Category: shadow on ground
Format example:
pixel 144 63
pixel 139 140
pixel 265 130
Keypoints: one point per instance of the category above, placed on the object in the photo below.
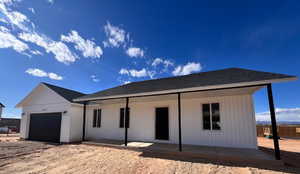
pixel 285 168
pixel 288 157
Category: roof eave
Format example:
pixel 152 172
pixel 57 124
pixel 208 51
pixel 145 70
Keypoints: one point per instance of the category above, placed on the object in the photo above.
pixel 262 82
pixel 19 105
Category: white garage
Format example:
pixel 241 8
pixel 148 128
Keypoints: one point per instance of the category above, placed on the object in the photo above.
pixel 48 114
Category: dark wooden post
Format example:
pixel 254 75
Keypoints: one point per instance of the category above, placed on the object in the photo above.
pixel 126 121
pixel 83 121
pixel 273 121
pixel 179 122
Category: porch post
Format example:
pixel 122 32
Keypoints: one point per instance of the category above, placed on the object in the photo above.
pixel 273 121
pixel 179 122
pixel 83 121
pixel 126 121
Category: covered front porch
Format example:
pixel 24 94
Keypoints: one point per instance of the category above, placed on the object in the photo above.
pixel 227 136
pixel 232 155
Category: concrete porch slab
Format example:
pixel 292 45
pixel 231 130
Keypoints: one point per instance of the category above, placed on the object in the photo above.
pixel 253 157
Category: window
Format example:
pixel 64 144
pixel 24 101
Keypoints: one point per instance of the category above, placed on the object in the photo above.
pixel 97 118
pixel 122 118
pixel 211 116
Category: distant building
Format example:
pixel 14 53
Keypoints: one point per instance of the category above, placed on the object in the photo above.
pixel 1 106
pixel 12 124
pixel 8 124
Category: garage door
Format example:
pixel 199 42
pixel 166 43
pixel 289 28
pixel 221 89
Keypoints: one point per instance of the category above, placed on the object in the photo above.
pixel 45 127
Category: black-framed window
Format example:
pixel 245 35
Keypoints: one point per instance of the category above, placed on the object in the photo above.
pixel 122 118
pixel 211 116
pixel 97 118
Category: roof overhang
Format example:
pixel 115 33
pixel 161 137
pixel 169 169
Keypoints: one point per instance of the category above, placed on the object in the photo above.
pixel 40 85
pixel 184 90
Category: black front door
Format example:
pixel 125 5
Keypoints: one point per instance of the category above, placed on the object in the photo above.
pixel 45 127
pixel 162 123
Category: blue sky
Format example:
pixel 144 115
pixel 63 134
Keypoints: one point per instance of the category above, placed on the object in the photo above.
pixel 101 44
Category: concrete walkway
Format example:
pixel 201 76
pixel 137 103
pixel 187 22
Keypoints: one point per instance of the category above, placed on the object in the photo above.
pixel 251 156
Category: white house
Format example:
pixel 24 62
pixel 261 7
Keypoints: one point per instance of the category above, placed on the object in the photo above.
pixel 1 109
pixel 212 108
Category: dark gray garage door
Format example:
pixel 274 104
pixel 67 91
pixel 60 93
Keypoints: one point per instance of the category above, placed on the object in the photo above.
pixel 45 127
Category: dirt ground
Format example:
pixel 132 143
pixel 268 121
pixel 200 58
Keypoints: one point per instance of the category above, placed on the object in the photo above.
pixel 10 146
pixel 78 158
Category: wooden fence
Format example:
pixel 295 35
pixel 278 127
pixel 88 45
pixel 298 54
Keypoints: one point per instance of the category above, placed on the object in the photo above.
pixel 289 131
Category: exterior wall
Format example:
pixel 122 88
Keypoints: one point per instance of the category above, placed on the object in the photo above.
pixel 237 123
pixel 236 112
pixel 76 114
pixel 44 101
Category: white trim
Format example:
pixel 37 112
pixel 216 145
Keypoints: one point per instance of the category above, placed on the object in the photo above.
pixel 28 96
pixel 192 89
pixel 77 104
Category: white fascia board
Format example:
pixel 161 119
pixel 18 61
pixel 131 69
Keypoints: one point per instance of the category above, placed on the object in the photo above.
pixel 28 96
pixel 77 104
pixel 262 82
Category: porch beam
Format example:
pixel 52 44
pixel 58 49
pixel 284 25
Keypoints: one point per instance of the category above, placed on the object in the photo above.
pixel 83 123
pixel 179 122
pixel 126 121
pixel 273 121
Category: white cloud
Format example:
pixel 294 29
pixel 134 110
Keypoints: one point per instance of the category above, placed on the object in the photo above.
pixel 126 82
pixel 94 78
pixel 21 24
pixel 36 52
pixel 124 71
pixel 163 61
pixel 3 20
pixel 157 61
pixel 87 47
pixel 50 1
pixel 187 69
pixel 59 49
pixel 15 18
pixel 115 36
pixel 138 73
pixel 32 10
pixel 282 114
pixel 7 40
pixel 54 76
pixel 135 73
pixel 135 52
pixel 36 72
pixel 41 73
pixel 151 74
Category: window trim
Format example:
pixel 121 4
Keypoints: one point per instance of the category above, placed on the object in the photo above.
pixel 99 117
pixel 96 118
pixel 120 121
pixel 210 117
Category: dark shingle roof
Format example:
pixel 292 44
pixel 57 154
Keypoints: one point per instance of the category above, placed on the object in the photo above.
pixel 219 77
pixel 2 105
pixel 68 94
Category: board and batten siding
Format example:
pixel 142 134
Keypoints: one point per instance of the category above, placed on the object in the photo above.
pixel 236 112
pixel 75 113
